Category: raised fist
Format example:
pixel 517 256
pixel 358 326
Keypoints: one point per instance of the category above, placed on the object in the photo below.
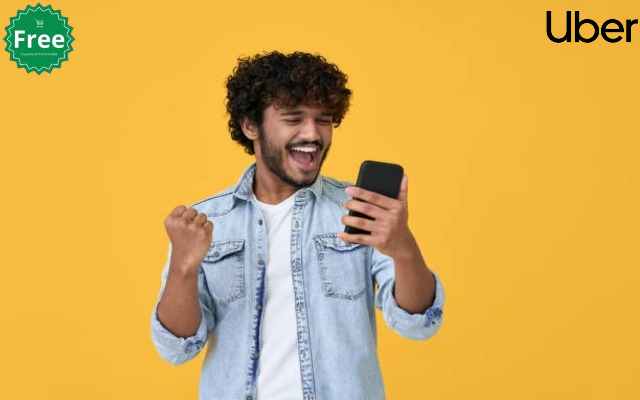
pixel 190 233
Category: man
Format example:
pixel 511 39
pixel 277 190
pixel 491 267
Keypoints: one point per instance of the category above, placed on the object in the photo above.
pixel 263 270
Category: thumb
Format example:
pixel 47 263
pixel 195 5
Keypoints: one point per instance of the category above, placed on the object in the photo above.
pixel 404 188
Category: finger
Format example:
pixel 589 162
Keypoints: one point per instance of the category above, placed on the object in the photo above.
pixel 365 208
pixel 355 238
pixel 358 222
pixel 371 197
pixel 200 219
pixel 208 226
pixel 404 189
pixel 190 214
pixel 178 211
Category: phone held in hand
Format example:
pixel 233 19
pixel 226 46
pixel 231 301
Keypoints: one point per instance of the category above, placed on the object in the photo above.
pixel 380 177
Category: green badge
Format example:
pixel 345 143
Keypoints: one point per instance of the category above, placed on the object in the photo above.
pixel 39 39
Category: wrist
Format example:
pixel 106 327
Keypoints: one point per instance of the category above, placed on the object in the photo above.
pixel 408 255
pixel 184 269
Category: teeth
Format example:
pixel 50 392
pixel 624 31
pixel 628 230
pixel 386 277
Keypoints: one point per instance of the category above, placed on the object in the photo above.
pixel 304 149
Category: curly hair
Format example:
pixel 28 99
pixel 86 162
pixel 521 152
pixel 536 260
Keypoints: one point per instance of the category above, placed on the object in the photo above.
pixel 284 80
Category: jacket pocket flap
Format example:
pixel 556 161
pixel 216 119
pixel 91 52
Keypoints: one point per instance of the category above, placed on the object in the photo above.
pixel 331 241
pixel 222 248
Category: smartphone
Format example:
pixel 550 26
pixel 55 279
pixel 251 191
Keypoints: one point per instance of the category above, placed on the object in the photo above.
pixel 380 177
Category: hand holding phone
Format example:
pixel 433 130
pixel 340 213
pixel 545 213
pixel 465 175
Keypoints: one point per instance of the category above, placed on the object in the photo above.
pixel 380 177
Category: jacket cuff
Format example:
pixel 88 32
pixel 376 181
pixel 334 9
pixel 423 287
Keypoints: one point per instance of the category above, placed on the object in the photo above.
pixel 175 349
pixel 417 326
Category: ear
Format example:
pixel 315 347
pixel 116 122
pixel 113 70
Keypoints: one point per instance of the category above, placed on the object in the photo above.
pixel 249 129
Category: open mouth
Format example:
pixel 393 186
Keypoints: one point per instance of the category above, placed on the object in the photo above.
pixel 305 155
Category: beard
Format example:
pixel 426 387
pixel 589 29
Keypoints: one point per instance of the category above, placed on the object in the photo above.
pixel 273 157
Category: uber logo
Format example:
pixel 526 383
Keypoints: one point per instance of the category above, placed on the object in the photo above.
pixel 609 26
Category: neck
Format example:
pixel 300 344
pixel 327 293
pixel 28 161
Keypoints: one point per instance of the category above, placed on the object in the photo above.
pixel 268 188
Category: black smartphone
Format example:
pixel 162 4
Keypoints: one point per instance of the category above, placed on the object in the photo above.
pixel 380 177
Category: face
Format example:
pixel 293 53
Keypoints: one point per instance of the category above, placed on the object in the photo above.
pixel 293 143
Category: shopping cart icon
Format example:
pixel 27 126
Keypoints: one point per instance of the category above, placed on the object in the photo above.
pixel 40 23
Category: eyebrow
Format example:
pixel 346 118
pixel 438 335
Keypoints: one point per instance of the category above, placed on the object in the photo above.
pixel 298 112
pixel 291 112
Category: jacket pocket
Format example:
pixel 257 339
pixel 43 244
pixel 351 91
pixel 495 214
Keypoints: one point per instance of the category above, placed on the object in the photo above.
pixel 223 268
pixel 343 267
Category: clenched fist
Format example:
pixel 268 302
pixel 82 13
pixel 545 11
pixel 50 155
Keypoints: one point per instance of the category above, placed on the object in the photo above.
pixel 190 233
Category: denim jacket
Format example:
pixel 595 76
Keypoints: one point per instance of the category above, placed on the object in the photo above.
pixel 336 285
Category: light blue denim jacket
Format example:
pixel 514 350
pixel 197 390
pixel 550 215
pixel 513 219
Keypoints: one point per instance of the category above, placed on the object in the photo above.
pixel 335 292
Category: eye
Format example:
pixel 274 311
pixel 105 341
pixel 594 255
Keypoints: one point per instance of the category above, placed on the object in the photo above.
pixel 292 121
pixel 324 121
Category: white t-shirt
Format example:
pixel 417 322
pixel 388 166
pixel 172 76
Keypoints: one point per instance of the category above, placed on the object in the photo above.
pixel 279 376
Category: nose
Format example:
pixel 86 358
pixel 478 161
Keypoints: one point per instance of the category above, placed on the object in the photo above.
pixel 310 130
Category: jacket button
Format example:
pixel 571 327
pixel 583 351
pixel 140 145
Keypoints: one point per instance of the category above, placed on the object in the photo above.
pixel 216 254
pixel 258 307
pixel 260 262
pixel 259 222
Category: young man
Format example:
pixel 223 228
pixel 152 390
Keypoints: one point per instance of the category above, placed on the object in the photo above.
pixel 263 270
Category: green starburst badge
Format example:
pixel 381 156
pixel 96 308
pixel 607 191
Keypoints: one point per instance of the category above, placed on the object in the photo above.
pixel 39 39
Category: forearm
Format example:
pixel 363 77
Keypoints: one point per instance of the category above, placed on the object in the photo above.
pixel 179 308
pixel 414 283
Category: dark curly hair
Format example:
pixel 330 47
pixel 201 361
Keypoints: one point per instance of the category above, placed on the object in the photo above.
pixel 285 80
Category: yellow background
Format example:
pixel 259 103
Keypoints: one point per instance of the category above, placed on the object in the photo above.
pixel 522 156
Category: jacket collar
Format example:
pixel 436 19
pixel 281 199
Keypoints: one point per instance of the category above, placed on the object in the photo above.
pixel 244 187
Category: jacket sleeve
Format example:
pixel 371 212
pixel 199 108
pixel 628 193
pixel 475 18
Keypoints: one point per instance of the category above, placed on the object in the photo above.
pixel 178 350
pixel 412 326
